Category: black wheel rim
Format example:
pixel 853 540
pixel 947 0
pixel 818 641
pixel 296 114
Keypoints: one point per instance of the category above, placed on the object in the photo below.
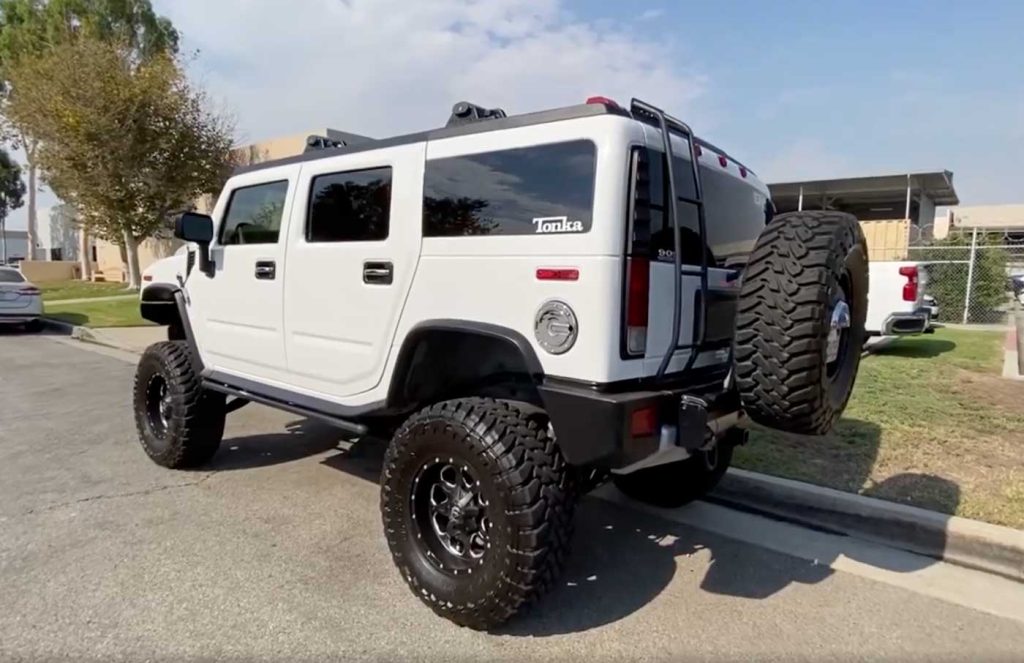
pixel 158 405
pixel 450 514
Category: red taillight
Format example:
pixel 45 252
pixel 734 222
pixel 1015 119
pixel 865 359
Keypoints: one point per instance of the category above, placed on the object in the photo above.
pixel 550 274
pixel 637 299
pixel 644 422
pixel 605 101
pixel 29 290
pixel 910 288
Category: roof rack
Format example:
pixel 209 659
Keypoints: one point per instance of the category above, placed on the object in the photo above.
pixel 465 112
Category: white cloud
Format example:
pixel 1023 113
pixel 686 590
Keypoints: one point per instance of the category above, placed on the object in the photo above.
pixel 382 67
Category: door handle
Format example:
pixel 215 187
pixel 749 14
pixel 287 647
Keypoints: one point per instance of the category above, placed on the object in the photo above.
pixel 378 273
pixel 266 270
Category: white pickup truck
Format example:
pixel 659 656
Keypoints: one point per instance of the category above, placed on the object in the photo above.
pixel 897 303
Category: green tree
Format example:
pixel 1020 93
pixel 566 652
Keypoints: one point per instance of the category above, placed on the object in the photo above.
pixel 948 270
pixel 125 141
pixel 29 27
pixel 12 190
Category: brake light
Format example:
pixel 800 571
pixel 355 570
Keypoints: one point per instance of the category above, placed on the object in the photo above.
pixel 605 101
pixel 638 281
pixel 643 422
pixel 29 291
pixel 549 274
pixel 910 288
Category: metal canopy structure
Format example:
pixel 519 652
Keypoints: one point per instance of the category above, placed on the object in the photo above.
pixel 871 197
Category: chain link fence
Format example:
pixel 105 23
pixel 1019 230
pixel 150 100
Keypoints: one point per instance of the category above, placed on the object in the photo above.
pixel 970 272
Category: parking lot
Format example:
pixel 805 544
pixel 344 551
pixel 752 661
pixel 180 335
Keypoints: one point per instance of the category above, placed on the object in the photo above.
pixel 275 551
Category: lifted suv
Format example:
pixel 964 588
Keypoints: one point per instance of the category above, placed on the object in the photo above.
pixel 525 305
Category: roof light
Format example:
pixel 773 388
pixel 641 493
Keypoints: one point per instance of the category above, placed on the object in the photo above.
pixel 723 161
pixel 605 101
pixel 743 172
pixel 698 150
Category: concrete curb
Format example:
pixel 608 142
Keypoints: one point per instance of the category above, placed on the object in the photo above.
pixel 978 545
pixel 78 332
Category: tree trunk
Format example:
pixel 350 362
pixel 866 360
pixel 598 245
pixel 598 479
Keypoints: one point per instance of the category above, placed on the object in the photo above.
pixel 84 253
pixel 131 245
pixel 33 227
pixel 3 241
pixel 123 254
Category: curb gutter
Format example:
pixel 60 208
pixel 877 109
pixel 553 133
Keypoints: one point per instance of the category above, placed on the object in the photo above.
pixel 990 548
pixel 77 332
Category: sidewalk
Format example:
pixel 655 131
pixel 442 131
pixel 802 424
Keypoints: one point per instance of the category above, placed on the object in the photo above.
pixel 86 300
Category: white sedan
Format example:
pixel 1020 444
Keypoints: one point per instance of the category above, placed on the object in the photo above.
pixel 21 303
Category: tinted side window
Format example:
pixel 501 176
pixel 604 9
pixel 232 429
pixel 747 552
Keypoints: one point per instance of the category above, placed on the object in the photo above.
pixel 254 214
pixel 544 189
pixel 350 207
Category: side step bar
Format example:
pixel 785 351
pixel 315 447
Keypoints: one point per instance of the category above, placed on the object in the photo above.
pixel 344 424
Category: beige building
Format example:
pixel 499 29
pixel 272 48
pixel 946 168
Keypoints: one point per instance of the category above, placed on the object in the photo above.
pixel 109 265
pixel 984 217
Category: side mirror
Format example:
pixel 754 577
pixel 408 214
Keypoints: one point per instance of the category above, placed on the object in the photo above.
pixel 193 227
pixel 198 228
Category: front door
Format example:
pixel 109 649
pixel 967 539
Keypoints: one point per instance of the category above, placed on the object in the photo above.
pixel 352 252
pixel 239 309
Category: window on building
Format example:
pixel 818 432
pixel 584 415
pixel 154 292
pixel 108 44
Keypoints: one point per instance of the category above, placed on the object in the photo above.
pixel 254 214
pixel 56 254
pixel 353 206
pixel 94 258
pixel 543 189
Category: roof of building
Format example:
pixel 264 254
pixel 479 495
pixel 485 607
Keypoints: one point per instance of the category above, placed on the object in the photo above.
pixel 937 185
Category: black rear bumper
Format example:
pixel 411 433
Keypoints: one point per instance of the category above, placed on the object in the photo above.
pixel 595 425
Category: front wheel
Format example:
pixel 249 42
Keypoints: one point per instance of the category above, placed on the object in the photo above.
pixel 477 504
pixel 675 484
pixel 180 424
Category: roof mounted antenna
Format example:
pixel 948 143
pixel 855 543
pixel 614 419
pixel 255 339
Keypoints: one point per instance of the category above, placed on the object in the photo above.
pixel 465 113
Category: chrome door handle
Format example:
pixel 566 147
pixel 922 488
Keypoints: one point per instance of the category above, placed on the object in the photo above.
pixel 378 273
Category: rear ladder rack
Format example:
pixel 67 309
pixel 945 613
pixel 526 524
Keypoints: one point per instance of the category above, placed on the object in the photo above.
pixel 665 124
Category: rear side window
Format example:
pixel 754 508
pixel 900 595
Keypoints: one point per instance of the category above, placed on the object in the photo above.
pixel 652 234
pixel 11 276
pixel 254 214
pixel 543 189
pixel 353 206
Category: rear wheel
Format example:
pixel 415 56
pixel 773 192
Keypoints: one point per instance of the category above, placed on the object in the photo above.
pixel 800 321
pixel 180 424
pixel 676 484
pixel 477 504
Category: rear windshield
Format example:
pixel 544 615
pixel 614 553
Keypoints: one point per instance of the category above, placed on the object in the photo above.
pixel 543 189
pixel 11 276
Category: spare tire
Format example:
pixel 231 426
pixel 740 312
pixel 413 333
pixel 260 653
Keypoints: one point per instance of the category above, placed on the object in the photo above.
pixel 800 321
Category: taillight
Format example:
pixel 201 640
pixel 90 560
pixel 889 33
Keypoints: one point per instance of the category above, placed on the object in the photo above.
pixel 910 288
pixel 29 291
pixel 553 274
pixel 644 422
pixel 638 281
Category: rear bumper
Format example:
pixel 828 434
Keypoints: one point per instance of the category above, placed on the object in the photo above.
pixel 630 430
pixel 18 318
pixel 900 324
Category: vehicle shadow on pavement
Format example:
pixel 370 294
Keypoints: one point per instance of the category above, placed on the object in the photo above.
pixel 302 438
pixel 625 558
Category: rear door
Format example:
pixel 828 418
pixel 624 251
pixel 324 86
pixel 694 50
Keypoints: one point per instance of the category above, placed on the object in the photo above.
pixel 352 254
pixel 735 205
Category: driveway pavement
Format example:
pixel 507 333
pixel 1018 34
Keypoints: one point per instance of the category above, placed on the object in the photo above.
pixel 275 552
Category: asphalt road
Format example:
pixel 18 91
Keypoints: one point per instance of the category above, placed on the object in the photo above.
pixel 275 552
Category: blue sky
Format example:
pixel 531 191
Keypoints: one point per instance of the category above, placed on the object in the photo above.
pixel 796 89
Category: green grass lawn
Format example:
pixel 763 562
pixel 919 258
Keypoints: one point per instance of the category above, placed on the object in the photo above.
pixel 930 424
pixel 58 290
pixel 116 313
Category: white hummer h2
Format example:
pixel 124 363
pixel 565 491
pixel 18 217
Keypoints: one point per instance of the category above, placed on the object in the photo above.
pixel 524 304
